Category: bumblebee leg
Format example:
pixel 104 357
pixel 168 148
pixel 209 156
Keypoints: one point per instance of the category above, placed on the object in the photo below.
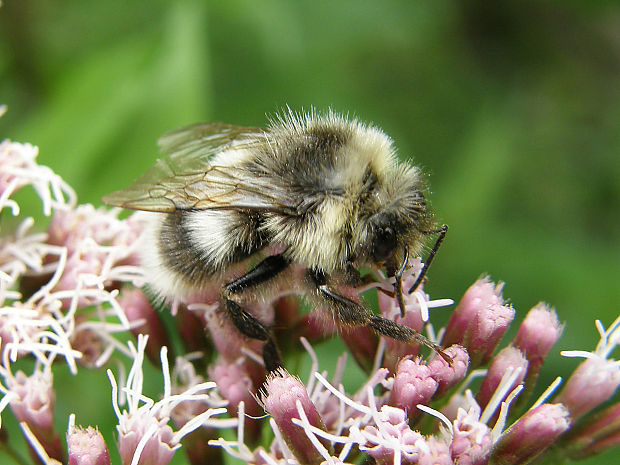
pixel 350 313
pixel 264 271
pixel 254 329
pixel 243 321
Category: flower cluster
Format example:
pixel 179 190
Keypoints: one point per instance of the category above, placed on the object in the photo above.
pixel 73 296
pixel 427 411
pixel 72 293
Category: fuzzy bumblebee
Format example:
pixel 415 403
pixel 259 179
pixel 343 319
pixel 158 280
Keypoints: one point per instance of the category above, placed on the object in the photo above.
pixel 316 194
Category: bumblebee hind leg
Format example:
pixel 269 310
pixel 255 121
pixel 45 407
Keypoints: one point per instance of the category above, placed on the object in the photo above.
pixel 247 324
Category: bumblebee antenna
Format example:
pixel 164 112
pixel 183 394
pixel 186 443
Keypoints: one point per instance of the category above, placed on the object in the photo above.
pixel 442 234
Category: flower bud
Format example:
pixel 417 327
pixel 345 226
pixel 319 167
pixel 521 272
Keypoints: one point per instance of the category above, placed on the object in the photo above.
pixel 281 394
pixel 413 385
pixel 87 447
pixel 392 430
pixel 449 374
pixel 158 449
pixel 534 432
pixel 537 334
pixel 315 327
pixel 472 439
pixel 397 350
pixel 362 343
pixel 595 434
pixel 507 358
pixel 34 405
pixel 192 331
pixel 479 321
pixel 592 383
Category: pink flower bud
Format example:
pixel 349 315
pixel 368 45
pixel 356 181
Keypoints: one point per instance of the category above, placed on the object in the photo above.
pixel 479 321
pixel 472 440
pixel 537 334
pixel 531 435
pixel 592 383
pixel 413 385
pixel 600 446
pixel 392 429
pixel 34 405
pixel 158 449
pixel 390 309
pixel 449 375
pixel 137 306
pixel 89 344
pixel 281 394
pixel 132 229
pixel 235 386
pixel 35 399
pixel 507 358
pixel 437 453
pixel 87 447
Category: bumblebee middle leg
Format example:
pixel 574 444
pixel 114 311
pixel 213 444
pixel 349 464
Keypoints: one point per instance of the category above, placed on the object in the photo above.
pixel 350 313
pixel 247 324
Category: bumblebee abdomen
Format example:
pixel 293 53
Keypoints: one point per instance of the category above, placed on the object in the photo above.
pixel 189 251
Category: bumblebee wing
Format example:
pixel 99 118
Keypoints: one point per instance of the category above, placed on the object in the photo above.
pixel 186 179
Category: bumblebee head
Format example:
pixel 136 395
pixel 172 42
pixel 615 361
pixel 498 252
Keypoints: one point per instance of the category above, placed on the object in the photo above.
pixel 393 220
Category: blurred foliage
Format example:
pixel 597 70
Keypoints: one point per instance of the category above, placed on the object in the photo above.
pixel 513 107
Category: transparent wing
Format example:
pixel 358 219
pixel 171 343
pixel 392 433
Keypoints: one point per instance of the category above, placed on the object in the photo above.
pixel 186 179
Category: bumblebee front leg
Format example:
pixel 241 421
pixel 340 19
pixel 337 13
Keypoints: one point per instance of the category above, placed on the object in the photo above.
pixel 247 324
pixel 350 313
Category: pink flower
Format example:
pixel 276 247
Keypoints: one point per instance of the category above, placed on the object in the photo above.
pixel 509 358
pixel 18 168
pixel 87 447
pixel 33 402
pixel 537 334
pixel 534 432
pixel 235 385
pixel 285 398
pixel 449 374
pixel 391 434
pixel 479 321
pixel 597 378
pixel 144 435
pixel 472 439
pixel 413 385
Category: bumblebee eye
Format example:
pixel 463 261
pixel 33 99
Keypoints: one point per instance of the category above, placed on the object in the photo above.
pixel 384 244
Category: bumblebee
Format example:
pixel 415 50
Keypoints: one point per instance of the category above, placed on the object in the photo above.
pixel 313 196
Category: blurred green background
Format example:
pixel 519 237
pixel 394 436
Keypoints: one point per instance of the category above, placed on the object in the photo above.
pixel 512 107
